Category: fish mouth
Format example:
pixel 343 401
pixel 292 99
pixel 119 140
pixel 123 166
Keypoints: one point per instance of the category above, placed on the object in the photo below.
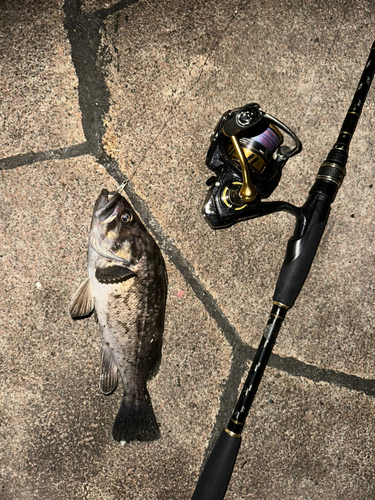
pixel 106 209
pixel 106 206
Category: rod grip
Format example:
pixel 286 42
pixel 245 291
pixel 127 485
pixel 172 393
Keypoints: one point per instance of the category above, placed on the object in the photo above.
pixel 214 479
pixel 299 255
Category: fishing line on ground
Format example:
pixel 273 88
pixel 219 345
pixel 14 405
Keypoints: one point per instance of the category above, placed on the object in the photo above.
pixel 241 6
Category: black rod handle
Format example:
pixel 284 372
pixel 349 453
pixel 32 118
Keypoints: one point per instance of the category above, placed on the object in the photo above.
pixel 215 477
pixel 301 250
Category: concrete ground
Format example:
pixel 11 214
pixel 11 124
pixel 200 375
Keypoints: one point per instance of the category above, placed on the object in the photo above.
pixel 93 93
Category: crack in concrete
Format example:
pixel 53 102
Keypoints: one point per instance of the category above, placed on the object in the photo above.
pixel 298 368
pixel 25 159
pixel 85 35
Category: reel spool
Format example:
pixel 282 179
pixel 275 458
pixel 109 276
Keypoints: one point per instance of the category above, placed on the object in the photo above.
pixel 259 149
pixel 247 155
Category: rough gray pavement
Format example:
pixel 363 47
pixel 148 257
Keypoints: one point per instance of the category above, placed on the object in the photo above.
pixel 94 93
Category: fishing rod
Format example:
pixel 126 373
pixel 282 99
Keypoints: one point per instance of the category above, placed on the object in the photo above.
pixel 247 155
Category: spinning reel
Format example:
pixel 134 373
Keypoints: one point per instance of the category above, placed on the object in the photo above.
pixel 247 155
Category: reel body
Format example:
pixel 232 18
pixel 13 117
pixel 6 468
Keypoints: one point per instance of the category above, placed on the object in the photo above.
pixel 247 155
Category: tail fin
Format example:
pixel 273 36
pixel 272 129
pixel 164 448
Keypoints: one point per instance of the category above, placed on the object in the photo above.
pixel 135 421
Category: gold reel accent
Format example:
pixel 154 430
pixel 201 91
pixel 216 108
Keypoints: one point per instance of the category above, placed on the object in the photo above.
pixel 248 191
pixel 227 200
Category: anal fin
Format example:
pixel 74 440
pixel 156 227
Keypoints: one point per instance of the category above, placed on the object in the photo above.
pixel 82 303
pixel 108 372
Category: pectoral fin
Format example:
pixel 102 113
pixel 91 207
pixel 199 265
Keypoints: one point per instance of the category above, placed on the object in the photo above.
pixel 108 373
pixel 82 304
pixel 113 274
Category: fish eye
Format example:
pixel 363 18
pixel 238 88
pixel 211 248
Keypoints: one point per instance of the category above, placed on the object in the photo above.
pixel 126 217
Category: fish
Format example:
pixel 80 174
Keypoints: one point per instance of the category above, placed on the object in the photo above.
pixel 126 288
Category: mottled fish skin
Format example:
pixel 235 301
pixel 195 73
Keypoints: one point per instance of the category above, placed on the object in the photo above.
pixel 128 286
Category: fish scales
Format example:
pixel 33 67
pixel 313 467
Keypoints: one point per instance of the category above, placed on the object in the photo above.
pixel 128 318
pixel 127 287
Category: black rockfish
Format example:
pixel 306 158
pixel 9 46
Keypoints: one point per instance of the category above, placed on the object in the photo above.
pixel 127 288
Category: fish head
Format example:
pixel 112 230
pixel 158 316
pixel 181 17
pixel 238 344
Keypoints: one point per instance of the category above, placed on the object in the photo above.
pixel 116 232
